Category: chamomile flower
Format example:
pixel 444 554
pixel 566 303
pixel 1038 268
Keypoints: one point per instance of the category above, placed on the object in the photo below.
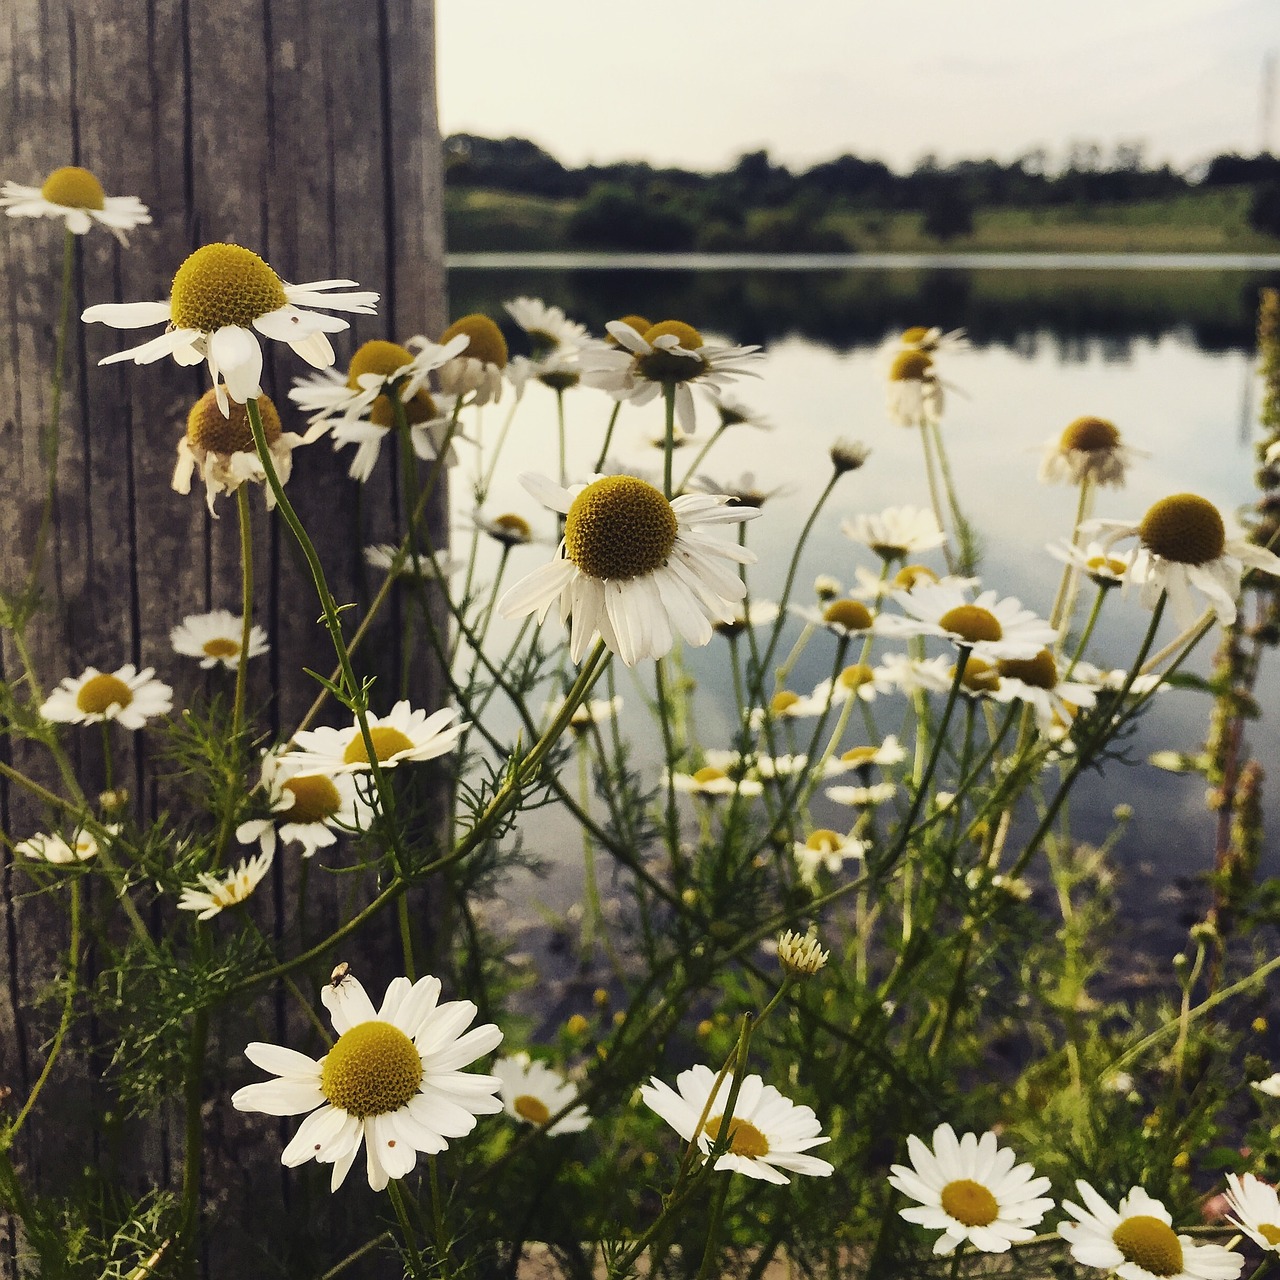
pixel 825 850
pixel 786 704
pixel 476 371
pixel 508 529
pixel 310 809
pixel 560 369
pixel 392 1082
pixel 932 338
pixel 1104 568
pixel 888 753
pixel 127 695
pixel 844 617
pixel 76 196
pixel 914 393
pixel 746 491
pixel 1184 544
pixel 220 296
pixel 215 893
pixel 989 627
pixel 712 783
pixel 1137 1241
pixel 732 412
pixel 856 681
pixel 1035 681
pixel 1257 1210
pixel 863 797
pixel 670 354
pixel 215 638
pixel 915 675
pixel 633 567
pixel 748 613
pixel 532 1093
pixel 54 849
pixel 897 532
pixel 970 1189
pixel 767 1133
pixel 431 429
pixel 1088 449
pixel 402 736
pixel 548 328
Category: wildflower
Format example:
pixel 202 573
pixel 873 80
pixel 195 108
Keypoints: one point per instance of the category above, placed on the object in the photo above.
pixel 826 588
pixel 508 529
pixel 560 369
pixel 800 954
pixel 220 295
pixel 593 711
pixel 767 1133
pixel 990 628
pixel 1035 681
pixel 1089 449
pixel 863 797
pixel 633 567
pixel 213 894
pixel 856 681
pixel 76 196
pixel 431 426
pixel 54 849
pixel 844 617
pixel 1257 1210
pixel 848 455
pixel 130 696
pixel 306 808
pixel 744 492
pixel 393 1080
pixel 970 1189
pixel 786 704
pixel 477 370
pixel 748 613
pixel 914 390
pixel 889 752
pixel 400 737
pixel 733 413
pixel 709 782
pixel 932 338
pixel 896 532
pixel 1138 1242
pixel 215 638
pixel 825 849
pixel 915 675
pixel 1104 570
pixel 531 1092
pixel 548 328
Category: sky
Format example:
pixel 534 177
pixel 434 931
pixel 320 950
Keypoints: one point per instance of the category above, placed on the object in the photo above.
pixel 696 83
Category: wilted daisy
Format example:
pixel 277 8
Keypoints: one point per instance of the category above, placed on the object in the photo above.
pixel 215 893
pixel 825 850
pixel 970 1189
pixel 393 1081
pixel 400 737
pixel 215 638
pixel 633 567
pixel 220 296
pixel 914 389
pixel 76 196
pixel 801 955
pixel 310 809
pixel 532 1092
pixel 219 444
pixel 1036 682
pixel 548 327
pixel 989 627
pixel 712 783
pixel 767 1133
pixel 477 370
pixel 1104 568
pixel 127 695
pixel 44 847
pixel 1089 449
pixel 670 354
pixel 1257 1210
pixel 896 532
pixel 1137 1241
pixel 1184 544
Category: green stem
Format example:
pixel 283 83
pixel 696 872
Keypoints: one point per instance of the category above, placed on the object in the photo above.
pixel 437 1218
pixel 608 435
pixel 194 1135
pixel 246 606
pixel 407 1232
pixel 668 436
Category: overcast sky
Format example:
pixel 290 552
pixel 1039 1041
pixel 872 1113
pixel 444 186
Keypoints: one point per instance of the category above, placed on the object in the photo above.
pixel 697 82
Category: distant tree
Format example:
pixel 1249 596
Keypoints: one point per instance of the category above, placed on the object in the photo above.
pixel 948 212
pixel 615 217
pixel 1232 170
pixel 1264 209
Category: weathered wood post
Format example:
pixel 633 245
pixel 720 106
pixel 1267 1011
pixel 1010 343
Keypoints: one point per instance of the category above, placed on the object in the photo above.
pixel 305 130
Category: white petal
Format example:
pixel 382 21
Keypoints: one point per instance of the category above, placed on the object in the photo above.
pixel 239 356
pixel 127 315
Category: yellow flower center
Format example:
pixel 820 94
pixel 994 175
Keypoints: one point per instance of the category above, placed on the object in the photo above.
pixel 209 431
pixel 487 343
pixel 315 798
pixel 1185 529
pixel 1150 1243
pixel 911 576
pixel 387 741
pixel 532 1109
pixel 859 756
pixel 221 647
pixel 422 408
pixel 853 615
pixel 915 335
pixel 910 366
pixel 74 188
pixel 970 1202
pixel 379 358
pixel 855 676
pixel 709 774
pixel 223 284
pixel 510 529
pixel 1091 435
pixel 667 366
pixel 560 379
pixel 744 1138
pixel 824 841
pixel 102 691
pixel 641 324
pixel 1041 672
pixel 619 527
pixel 1105 565
pixel 1269 1232
pixel 979 676
pixel 783 701
pixel 373 1069
pixel 971 623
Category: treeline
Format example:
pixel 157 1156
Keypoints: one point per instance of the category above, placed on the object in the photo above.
pixel 758 203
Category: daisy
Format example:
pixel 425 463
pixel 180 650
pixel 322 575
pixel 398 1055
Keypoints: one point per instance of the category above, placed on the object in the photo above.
pixel 671 354
pixel 1137 1241
pixel 213 894
pixel 548 327
pixel 1089 449
pixel 825 850
pixel 914 389
pixel 732 412
pixel 219 296
pixel 508 529
pixel 477 370
pixel 767 1133
pixel 531 1092
pixel 76 196
pixel 219 444
pixel 848 455
pixel 749 613
pixel 1257 1209
pixel 896 532
pixel 746 491
pixel 889 752
pixel 392 1081
pixel 863 797
pixel 844 617
pixel 1184 544
pixel 932 338
pixel 309 809
pixel 916 675
pixel 1115 679
pixel 826 588
pixel 990 628
pixel 712 783
pixel 56 850
pixel 128 695
pixel 560 369
pixel 400 737
pixel 431 426
pixel 970 1189
pixel 376 368
pixel 215 638
pixel 855 681
pixel 786 704
pixel 801 955
pixel 771 767
pixel 1035 681
pixel 1103 568
pixel 633 567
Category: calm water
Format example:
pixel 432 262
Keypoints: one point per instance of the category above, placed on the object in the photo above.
pixel 1163 351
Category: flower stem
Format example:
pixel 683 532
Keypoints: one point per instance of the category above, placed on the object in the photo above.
pixel 246 606
pixel 608 435
pixel 407 1233
pixel 668 436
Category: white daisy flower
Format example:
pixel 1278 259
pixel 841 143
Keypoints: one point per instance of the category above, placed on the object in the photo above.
pixel 1184 544
pixel 1089 449
pixel 309 809
pixel 55 849
pixel 771 767
pixel 863 797
pixel 767 1133
pixel 220 295
pixel 825 850
pixel 215 638
pixel 507 529
pixel 970 1189
pixel 1257 1210
pixel 749 613
pixel 431 427
pixel 76 196
pixel 127 695
pixel 560 369
pixel 826 588
pixel 214 893
pixel 633 567
pixel 1270 1086
pixel 932 338
pixel 393 1081
pixel 896 532
pixel 388 556
pixel 843 617
pixel 548 327
pixel 710 782
pixel 989 627
pixel 477 370
pixel 532 1093
pixel 856 681
pixel 1035 681
pixel 888 753
pixel 733 413
pixel 786 704
pixel 672 354
pixel 1102 567
pixel 914 389
pixel 400 737
pixel 915 675
pixel 1138 1242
